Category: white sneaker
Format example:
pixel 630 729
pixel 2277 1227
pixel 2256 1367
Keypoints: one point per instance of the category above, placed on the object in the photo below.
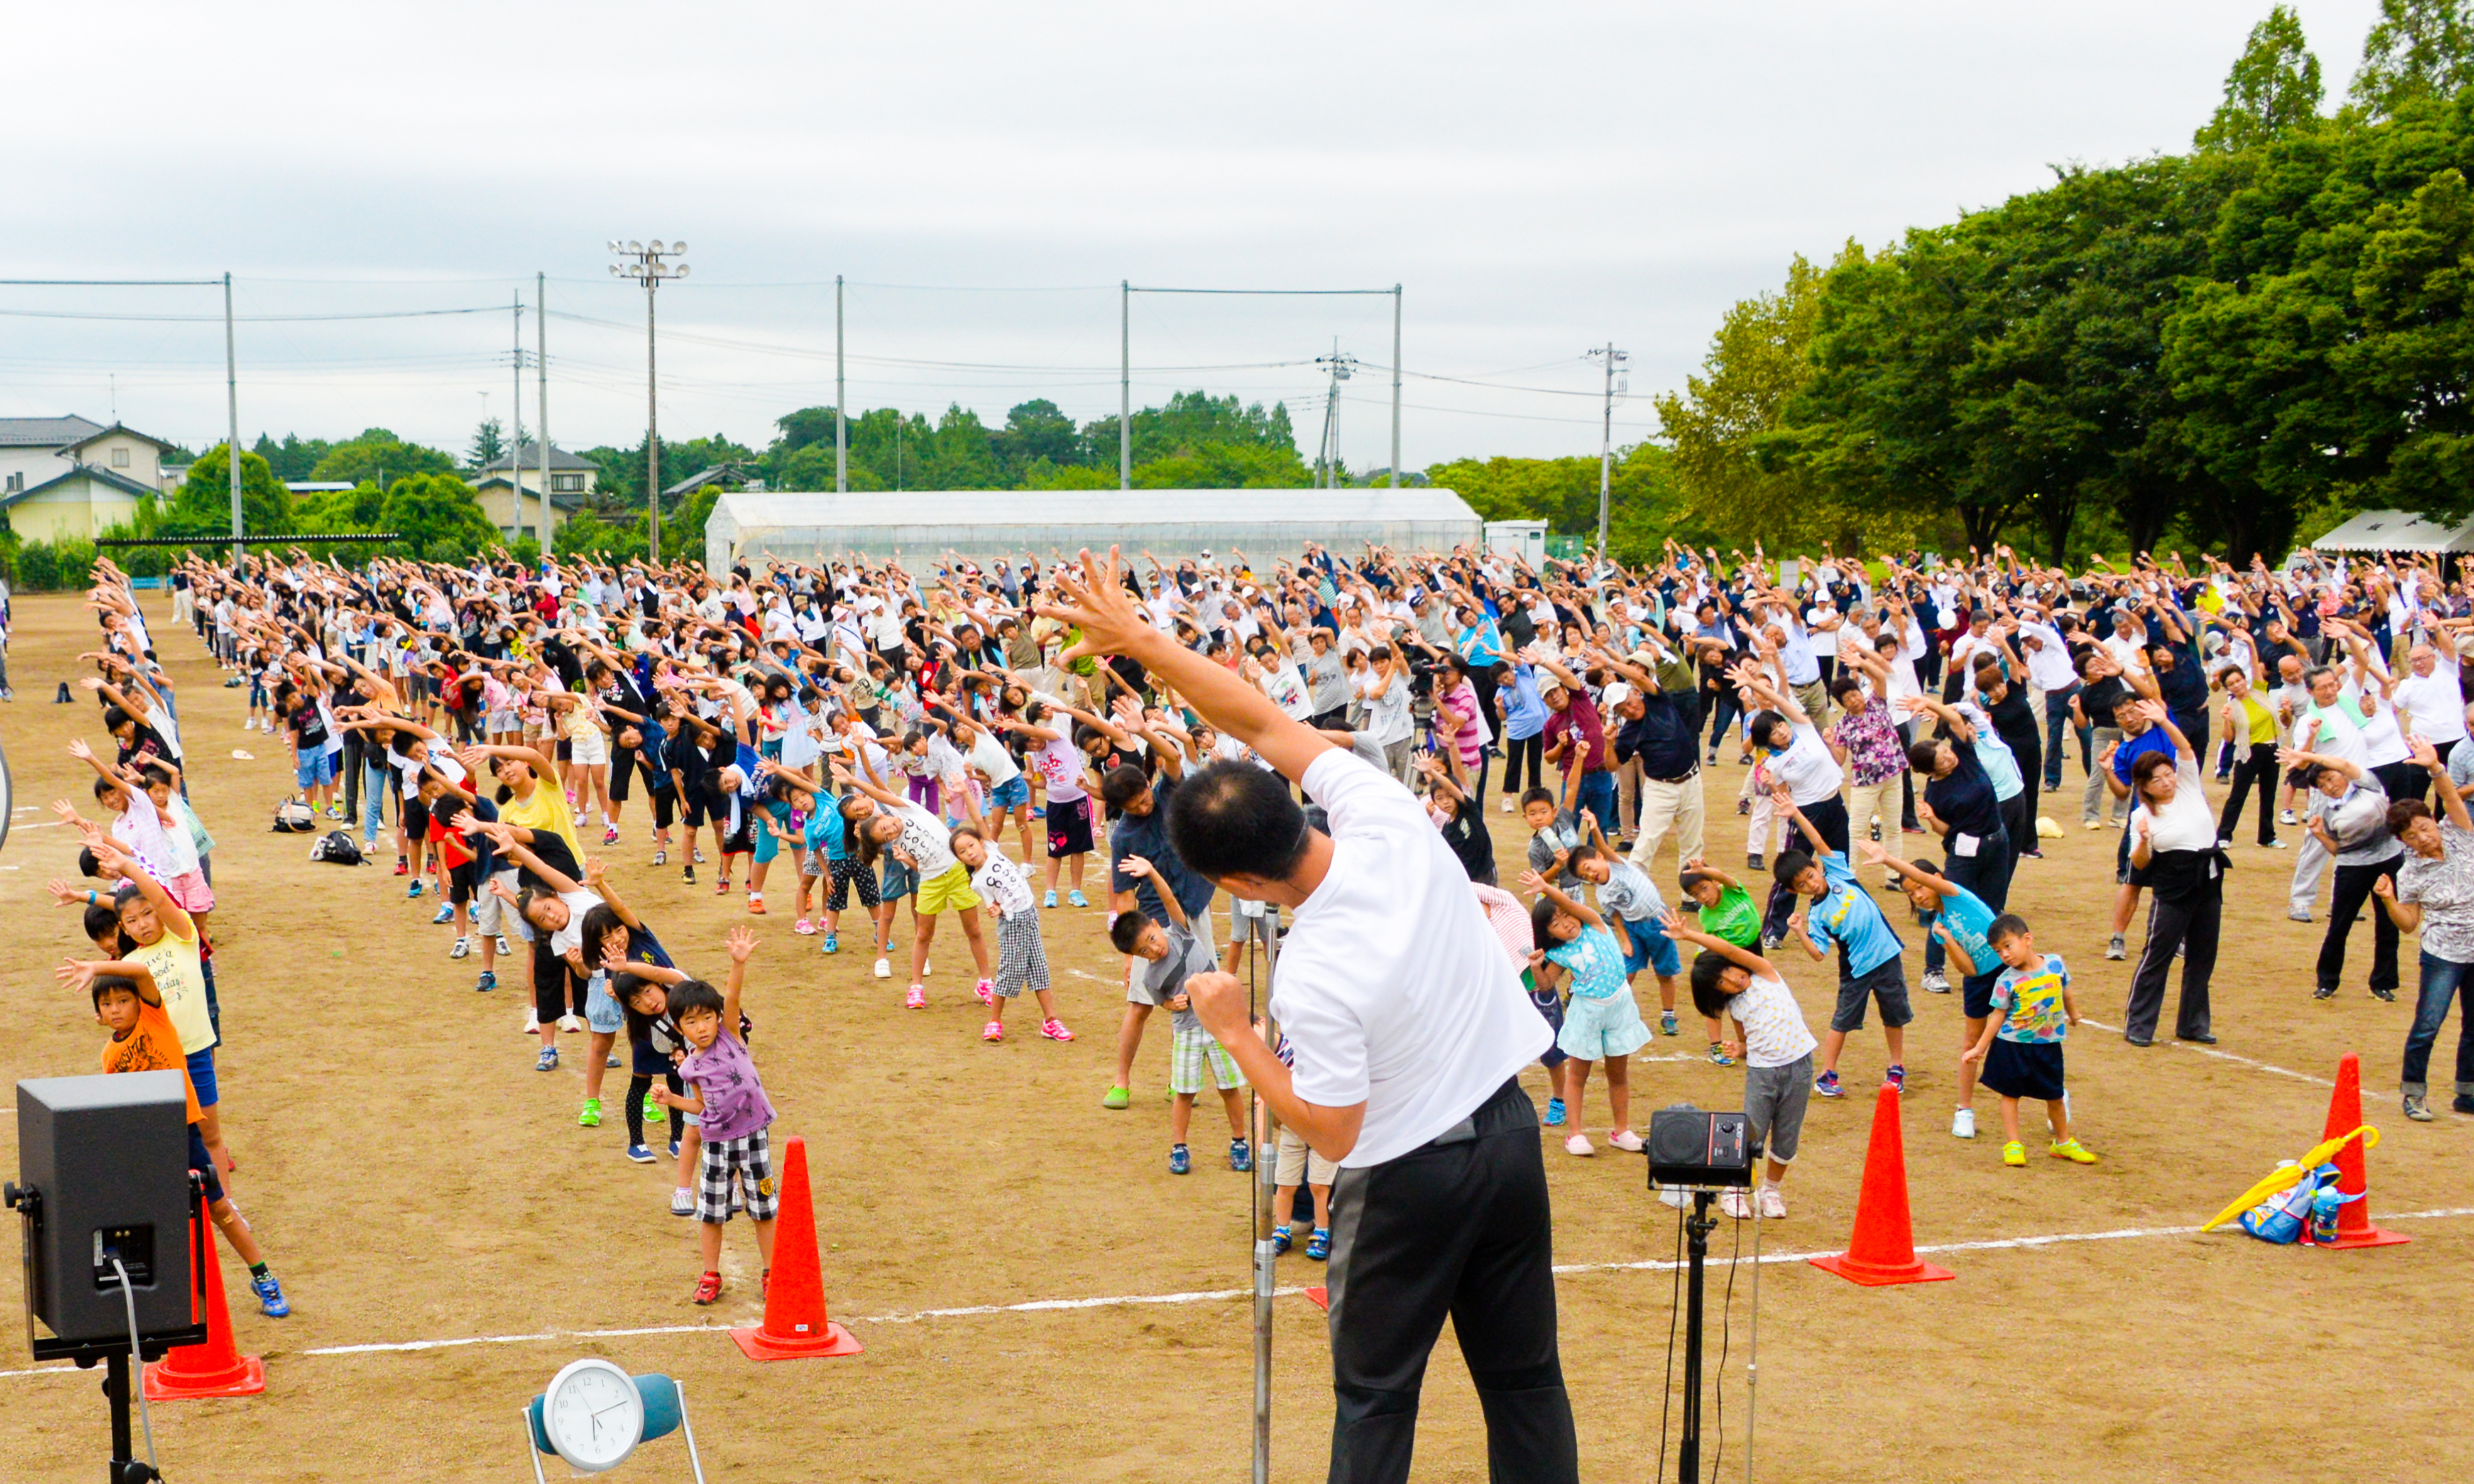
pixel 571 1024
pixel 532 1023
pixel 884 968
pixel 1507 803
pixel 501 939
pixel 682 1202
pixel 1733 1204
pixel 1579 1144
pixel 463 946
pixel 1626 1140
pixel 1962 1124
pixel 926 968
pixel 1773 1202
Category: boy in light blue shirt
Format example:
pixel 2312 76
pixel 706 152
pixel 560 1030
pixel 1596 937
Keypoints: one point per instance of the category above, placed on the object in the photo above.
pixel 1844 915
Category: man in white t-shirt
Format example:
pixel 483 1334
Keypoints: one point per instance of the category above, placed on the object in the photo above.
pixel 1409 1027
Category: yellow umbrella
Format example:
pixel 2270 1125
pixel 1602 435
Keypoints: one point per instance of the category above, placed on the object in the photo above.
pixel 2285 1177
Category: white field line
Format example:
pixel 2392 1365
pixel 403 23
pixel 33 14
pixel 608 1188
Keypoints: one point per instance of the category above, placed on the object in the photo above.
pixel 2270 1067
pixel 1222 1295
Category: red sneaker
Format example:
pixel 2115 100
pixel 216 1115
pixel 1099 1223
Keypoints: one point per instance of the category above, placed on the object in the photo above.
pixel 708 1288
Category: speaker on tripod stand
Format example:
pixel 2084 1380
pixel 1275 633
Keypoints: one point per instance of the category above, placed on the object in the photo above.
pixel 1704 1153
pixel 113 1229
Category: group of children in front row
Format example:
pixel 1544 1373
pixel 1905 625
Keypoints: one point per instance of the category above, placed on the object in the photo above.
pixel 2018 1002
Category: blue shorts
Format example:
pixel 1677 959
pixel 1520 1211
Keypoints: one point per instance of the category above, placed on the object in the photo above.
pixel 203 1163
pixel 1651 949
pixel 601 1009
pixel 767 845
pixel 900 880
pixel 315 768
pixel 1008 794
pixel 201 1076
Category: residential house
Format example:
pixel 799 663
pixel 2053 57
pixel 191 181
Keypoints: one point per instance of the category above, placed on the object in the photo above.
pixel 514 503
pixel 67 476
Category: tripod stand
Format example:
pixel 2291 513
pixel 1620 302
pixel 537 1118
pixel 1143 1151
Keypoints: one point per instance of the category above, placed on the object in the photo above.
pixel 1697 1227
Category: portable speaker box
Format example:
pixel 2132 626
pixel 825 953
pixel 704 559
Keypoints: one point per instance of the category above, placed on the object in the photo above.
pixel 1690 1147
pixel 109 1154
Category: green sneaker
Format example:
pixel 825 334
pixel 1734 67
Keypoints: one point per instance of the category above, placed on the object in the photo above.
pixel 1117 1098
pixel 654 1113
pixel 590 1117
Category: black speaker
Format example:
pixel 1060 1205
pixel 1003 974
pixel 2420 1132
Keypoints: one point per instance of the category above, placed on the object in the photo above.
pixel 1689 1147
pixel 106 1162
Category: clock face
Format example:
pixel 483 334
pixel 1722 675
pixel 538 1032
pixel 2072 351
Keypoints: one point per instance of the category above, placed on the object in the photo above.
pixel 593 1415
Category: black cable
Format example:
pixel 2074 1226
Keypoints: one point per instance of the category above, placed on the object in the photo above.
pixel 1674 1315
pixel 1726 1332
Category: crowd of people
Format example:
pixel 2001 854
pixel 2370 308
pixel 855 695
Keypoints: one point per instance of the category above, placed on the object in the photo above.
pixel 946 740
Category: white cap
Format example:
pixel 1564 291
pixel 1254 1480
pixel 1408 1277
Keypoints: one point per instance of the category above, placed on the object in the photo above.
pixel 1616 694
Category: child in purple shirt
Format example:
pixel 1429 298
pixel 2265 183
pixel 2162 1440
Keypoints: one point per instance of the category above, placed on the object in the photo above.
pixel 736 1114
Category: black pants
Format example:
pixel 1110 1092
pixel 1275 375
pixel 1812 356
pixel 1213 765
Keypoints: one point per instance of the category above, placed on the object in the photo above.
pixel 1531 750
pixel 2353 893
pixel 2190 922
pixel 355 745
pixel 2257 766
pixel 638 1087
pixel 1460 1228
pixel 1828 815
pixel 2402 780
pixel 622 769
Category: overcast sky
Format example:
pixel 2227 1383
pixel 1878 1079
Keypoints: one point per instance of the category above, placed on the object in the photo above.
pixel 1539 178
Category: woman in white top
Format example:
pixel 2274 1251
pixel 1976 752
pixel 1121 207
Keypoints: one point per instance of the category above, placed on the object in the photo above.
pixel 2173 853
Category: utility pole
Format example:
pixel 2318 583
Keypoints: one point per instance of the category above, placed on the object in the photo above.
pixel 1341 367
pixel 1125 383
pixel 232 404
pixel 516 426
pixel 1396 386
pixel 1614 363
pixel 650 265
pixel 842 422
pixel 541 407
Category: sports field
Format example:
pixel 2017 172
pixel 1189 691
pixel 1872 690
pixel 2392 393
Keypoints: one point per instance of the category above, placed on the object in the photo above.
pixel 1041 1300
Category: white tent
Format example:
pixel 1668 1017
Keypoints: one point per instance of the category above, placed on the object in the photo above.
pixel 2395 530
pixel 985 524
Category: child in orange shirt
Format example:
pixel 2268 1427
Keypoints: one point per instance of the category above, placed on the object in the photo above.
pixel 143 1039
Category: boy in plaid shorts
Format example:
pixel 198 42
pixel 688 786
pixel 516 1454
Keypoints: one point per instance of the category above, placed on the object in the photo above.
pixel 737 1115
pixel 1170 956
pixel 1021 956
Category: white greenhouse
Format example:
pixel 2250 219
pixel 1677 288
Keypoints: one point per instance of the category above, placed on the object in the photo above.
pixel 986 525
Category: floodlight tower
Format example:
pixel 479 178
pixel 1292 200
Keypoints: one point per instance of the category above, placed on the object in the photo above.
pixel 649 264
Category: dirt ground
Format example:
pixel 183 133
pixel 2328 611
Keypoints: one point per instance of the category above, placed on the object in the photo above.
pixel 415 1180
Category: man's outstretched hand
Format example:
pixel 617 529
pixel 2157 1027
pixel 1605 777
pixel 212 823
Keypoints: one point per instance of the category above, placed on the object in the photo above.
pixel 1090 594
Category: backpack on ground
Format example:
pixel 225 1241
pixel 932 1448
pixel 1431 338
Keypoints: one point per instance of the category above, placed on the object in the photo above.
pixel 337 847
pixel 294 817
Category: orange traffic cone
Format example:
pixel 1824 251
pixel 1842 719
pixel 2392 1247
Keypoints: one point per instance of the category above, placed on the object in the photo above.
pixel 1882 1250
pixel 213 1367
pixel 1320 1297
pixel 2354 1227
pixel 795 1325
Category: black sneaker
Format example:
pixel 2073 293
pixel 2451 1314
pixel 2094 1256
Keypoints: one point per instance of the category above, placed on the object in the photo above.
pixel 689 876
pixel 2463 1103
pixel 2388 995
pixel 2324 992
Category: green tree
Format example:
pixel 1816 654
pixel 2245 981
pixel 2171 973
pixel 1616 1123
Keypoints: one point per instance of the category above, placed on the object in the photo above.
pixel 294 458
pixel 2417 49
pixel 489 445
pixel 1645 504
pixel 379 456
pixel 203 505
pixel 1222 466
pixel 2273 89
pixel 337 512
pixel 1034 430
pixel 435 516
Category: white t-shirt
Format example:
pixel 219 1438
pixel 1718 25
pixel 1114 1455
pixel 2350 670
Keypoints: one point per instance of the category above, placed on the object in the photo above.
pixel 1393 989
pixel 2432 701
pixel 999 879
pixel 1806 769
pixel 1387 716
pixel 1775 1033
pixel 990 757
